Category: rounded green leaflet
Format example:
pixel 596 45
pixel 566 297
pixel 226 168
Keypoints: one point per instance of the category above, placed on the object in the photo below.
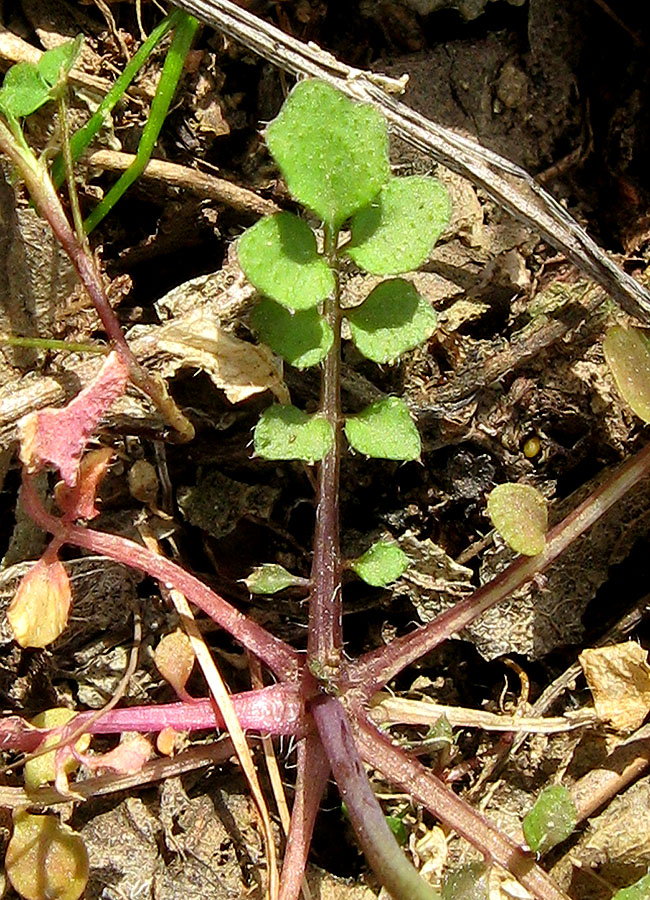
pixel 392 319
pixel 552 819
pixel 270 578
pixel 286 432
pixel 518 512
pixel 332 152
pixel 384 430
pixel 380 564
pixel 627 351
pixel 23 91
pixel 301 338
pixel 395 232
pixel 279 256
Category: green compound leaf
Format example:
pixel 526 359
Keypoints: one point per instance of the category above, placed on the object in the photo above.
pixel 332 152
pixel 627 351
pixel 390 321
pixel 270 578
pixel 27 87
pixel 551 820
pixel 279 256
pixel 518 512
pixel 380 564
pixel 384 430
pixel 302 338
pixel 640 890
pixel 285 432
pixel 469 882
pixel 398 228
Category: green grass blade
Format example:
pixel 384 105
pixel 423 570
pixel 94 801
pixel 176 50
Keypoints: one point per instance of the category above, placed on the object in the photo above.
pixel 82 138
pixel 169 78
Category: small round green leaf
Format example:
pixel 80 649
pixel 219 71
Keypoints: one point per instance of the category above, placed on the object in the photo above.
pixel 384 430
pixel 640 890
pixel 23 91
pixel 518 512
pixel 279 256
pixel 551 820
pixel 395 232
pixel 627 351
pixel 390 321
pixel 270 578
pixel 302 338
pixel 332 152
pixel 285 432
pixel 380 564
pixel 55 64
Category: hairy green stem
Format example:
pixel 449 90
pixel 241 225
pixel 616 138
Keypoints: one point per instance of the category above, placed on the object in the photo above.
pixel 325 636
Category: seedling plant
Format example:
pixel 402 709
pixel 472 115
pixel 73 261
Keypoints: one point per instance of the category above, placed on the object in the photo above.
pixel 333 155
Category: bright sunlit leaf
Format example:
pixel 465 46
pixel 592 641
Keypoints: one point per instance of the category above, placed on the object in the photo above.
pixel 39 610
pixel 380 564
pixel 551 820
pixel 384 430
pixel 269 579
pixel 627 351
pixel 302 339
pixel 518 512
pixel 286 432
pixel 395 232
pixel 46 860
pixel 279 256
pixel 332 152
pixel 27 87
pixel 390 321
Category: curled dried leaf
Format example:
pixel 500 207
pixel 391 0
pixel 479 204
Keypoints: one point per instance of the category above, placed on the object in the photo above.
pixel 39 611
pixel 619 679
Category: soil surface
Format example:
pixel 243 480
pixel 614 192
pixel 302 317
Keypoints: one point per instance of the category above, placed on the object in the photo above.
pixel 513 387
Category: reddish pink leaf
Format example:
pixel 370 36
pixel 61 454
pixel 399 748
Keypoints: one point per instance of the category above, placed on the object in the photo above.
pixel 127 758
pixel 58 436
pixel 79 502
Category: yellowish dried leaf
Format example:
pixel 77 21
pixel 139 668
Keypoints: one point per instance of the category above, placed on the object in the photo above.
pixel 619 680
pixel 238 368
pixel 46 860
pixel 168 741
pixel 174 658
pixel 39 611
pixel 43 769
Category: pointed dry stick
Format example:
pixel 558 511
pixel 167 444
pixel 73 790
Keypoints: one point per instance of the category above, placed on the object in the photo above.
pixel 508 184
